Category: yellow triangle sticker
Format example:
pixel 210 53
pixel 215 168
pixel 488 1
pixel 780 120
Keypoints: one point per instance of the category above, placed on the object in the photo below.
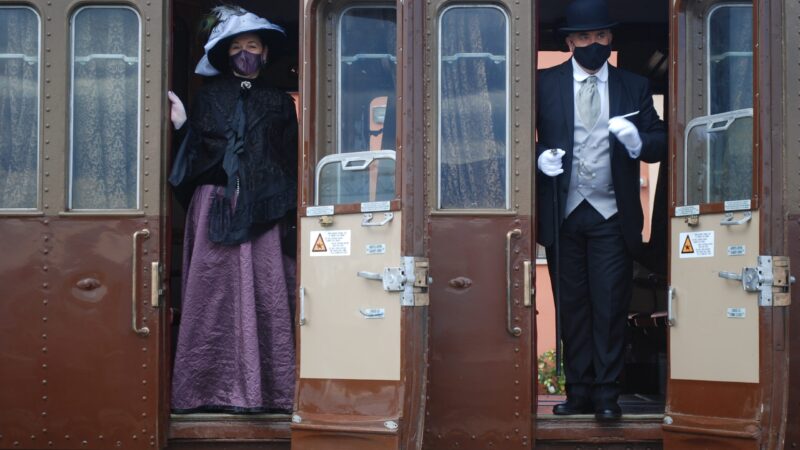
pixel 687 246
pixel 319 245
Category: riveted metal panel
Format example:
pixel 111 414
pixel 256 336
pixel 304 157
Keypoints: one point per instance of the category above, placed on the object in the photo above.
pixel 82 377
pixel 792 105
pixel 480 380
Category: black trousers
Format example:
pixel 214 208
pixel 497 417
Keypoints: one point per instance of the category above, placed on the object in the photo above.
pixel 596 271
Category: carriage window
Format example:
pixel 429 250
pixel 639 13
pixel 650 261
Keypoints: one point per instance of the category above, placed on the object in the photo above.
pixel 720 162
pixel 730 58
pixel 367 72
pixel 361 166
pixel 104 115
pixel 356 177
pixel 473 108
pixel 719 146
pixel 19 108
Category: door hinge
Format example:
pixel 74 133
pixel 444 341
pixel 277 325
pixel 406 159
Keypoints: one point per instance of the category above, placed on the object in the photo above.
pixel 771 278
pixel 411 280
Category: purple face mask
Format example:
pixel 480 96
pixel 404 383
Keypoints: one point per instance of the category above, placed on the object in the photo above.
pixel 246 63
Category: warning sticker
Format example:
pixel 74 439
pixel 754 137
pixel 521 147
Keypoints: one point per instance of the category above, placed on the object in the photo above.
pixel 699 244
pixel 330 243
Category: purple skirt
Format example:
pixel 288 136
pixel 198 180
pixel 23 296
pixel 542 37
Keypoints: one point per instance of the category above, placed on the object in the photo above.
pixel 235 347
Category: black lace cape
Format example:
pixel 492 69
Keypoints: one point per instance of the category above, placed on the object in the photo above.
pixel 248 130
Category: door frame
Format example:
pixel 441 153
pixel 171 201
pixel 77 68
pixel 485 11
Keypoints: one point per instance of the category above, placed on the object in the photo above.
pixel 770 137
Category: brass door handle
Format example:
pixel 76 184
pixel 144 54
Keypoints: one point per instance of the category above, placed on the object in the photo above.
pixel 527 285
pixel 145 233
pixel 512 330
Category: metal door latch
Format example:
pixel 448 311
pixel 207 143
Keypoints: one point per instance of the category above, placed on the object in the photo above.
pixel 411 280
pixel 771 279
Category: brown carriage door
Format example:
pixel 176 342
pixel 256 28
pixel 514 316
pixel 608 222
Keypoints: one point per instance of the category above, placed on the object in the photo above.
pixel 82 348
pixel 361 295
pixel 722 286
pixel 481 228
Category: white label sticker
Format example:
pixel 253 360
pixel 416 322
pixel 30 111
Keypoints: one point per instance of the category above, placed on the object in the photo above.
pixel 330 243
pixel 313 211
pixel 690 210
pixel 699 244
pixel 373 313
pixel 736 250
pixel 375 206
pixel 376 249
pixel 737 205
pixel 737 313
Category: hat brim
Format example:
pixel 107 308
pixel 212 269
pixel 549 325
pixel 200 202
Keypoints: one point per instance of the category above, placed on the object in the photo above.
pixel 589 27
pixel 218 56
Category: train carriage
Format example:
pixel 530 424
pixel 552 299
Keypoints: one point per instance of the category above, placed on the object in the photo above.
pixel 418 308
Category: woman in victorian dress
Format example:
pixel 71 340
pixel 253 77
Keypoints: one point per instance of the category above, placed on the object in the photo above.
pixel 237 167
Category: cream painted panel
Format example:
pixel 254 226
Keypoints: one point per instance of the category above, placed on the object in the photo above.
pixel 704 343
pixel 337 341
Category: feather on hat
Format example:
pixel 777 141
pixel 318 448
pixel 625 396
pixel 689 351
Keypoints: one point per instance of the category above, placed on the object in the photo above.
pixel 228 22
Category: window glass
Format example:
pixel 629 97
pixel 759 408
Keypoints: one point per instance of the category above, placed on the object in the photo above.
pixel 356 177
pixel 730 58
pixel 719 146
pixel 720 162
pixel 105 108
pixel 473 108
pixel 367 72
pixel 19 108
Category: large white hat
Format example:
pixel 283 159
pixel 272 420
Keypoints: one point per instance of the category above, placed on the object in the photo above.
pixel 232 21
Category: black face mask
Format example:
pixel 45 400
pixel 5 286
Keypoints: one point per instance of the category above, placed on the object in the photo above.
pixel 592 56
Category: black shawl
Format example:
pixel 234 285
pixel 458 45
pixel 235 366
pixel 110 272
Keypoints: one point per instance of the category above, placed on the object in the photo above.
pixel 243 135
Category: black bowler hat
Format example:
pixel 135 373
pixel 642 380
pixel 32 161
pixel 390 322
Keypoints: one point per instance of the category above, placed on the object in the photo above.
pixel 587 15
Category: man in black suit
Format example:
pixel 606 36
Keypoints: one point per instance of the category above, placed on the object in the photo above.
pixel 589 154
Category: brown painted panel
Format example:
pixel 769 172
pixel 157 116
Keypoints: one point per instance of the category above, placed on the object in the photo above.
pixel 361 398
pixel 681 441
pixel 343 441
pixel 101 376
pixel 22 309
pixel 480 376
pixel 735 400
pixel 82 378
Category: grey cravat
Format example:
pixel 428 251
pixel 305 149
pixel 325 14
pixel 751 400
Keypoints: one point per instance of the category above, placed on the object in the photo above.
pixel 589 102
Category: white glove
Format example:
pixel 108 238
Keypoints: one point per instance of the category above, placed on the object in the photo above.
pixel 627 134
pixel 177 111
pixel 550 162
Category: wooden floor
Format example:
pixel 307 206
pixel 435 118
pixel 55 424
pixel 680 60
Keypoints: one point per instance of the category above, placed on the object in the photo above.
pixel 640 427
pixel 634 404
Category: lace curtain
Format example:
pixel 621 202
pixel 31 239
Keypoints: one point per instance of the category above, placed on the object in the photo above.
pixel 105 109
pixel 473 104
pixel 19 108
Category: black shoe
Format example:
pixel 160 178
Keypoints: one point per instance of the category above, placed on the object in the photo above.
pixel 572 407
pixel 608 413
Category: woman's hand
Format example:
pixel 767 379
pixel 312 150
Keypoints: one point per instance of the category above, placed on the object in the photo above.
pixel 177 112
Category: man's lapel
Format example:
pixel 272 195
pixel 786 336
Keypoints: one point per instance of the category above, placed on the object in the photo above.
pixel 615 102
pixel 614 92
pixel 566 88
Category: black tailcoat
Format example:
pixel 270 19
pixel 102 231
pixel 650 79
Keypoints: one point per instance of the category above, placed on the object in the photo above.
pixel 555 127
